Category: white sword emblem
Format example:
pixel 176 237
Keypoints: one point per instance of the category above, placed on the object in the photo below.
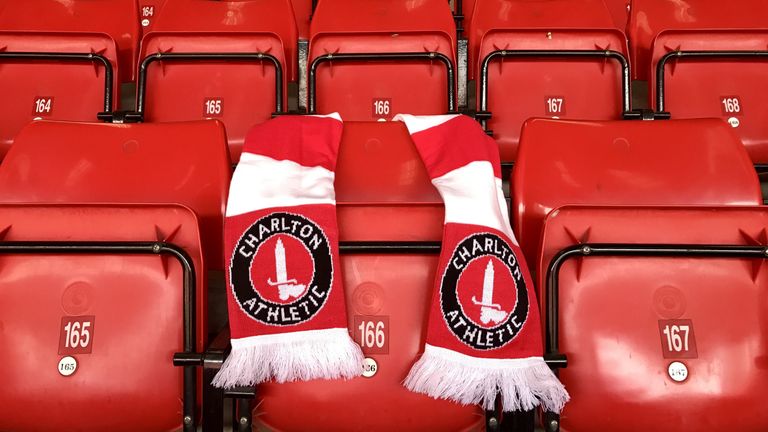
pixel 489 311
pixel 286 287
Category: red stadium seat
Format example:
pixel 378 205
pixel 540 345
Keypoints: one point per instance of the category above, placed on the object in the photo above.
pixel 706 60
pixel 559 59
pixel 116 18
pixel 670 162
pixel 183 163
pixel 662 318
pixel 370 60
pixel 62 60
pixel 388 272
pixel 225 60
pixel 89 330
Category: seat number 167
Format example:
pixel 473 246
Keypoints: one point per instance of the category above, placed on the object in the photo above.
pixel 677 338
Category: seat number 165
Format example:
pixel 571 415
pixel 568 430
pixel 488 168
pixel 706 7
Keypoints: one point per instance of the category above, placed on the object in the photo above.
pixel 76 336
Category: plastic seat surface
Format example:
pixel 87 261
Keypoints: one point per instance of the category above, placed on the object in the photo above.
pixel 675 162
pixel 183 163
pixel 116 18
pixel 133 304
pixel 729 88
pixel 649 18
pixel 240 93
pixel 383 194
pixel 52 90
pixel 364 90
pixel 555 87
pixel 614 313
pixel 382 186
pixel 302 10
pixel 619 10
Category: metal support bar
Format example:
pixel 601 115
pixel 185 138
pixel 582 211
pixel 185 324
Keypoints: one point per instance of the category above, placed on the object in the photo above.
pixel 458 17
pixel 189 306
pixel 383 247
pixel 208 57
pixel 462 61
pixel 82 57
pixel 242 415
pixel 678 55
pixel 213 403
pixel 381 57
pixel 483 114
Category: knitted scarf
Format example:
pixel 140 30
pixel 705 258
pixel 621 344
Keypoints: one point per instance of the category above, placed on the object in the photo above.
pixel 286 305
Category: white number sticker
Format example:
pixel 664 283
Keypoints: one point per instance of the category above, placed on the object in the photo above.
pixel 677 371
pixel 370 367
pixel 67 366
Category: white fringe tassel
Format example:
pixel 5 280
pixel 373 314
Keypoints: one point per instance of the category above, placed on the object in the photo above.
pixel 523 383
pixel 314 354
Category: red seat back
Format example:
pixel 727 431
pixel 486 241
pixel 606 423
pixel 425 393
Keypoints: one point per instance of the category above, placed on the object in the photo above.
pixel 728 86
pixel 373 88
pixel 626 162
pixel 239 92
pixel 54 89
pixel 625 320
pixel 182 163
pixel 118 315
pixel 555 82
pixel 382 186
pixel 383 194
pixel 116 18
pixel 649 18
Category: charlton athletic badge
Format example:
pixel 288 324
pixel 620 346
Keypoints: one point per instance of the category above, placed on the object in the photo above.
pixel 281 270
pixel 483 294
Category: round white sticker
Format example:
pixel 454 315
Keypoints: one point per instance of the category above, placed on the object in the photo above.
pixel 678 371
pixel 370 367
pixel 734 122
pixel 67 366
pixel 145 22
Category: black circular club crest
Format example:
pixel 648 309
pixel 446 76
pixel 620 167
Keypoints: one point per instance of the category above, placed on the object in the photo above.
pixel 483 296
pixel 281 271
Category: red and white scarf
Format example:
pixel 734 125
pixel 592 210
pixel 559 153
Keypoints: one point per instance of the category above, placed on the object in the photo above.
pixel 286 305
